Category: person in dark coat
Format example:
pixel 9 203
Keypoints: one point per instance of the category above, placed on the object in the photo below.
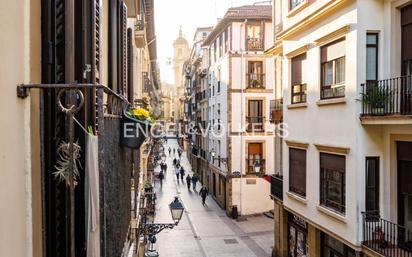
pixel 194 181
pixel 182 173
pixel 203 193
pixel 188 180
pixel 175 161
pixel 170 150
pixel 161 177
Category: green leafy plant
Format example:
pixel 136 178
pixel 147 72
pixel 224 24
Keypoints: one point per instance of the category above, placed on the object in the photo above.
pixel 63 162
pixel 255 83
pixel 376 98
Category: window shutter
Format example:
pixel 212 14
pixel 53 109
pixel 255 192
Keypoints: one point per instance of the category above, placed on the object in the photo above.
pixel 130 89
pixel 297 63
pixel 333 51
pixel 297 171
pixel 406 22
pixel 332 162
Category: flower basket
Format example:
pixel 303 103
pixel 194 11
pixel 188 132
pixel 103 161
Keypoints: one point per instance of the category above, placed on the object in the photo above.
pixel 133 131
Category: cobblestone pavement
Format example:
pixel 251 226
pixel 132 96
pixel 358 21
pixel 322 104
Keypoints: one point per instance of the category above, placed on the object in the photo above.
pixel 206 231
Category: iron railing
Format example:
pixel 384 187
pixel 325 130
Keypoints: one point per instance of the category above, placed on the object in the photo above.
pixel 387 97
pixel 255 123
pixel 276 110
pixel 276 187
pixel 255 80
pixel 386 237
pixel 252 162
pixel 254 43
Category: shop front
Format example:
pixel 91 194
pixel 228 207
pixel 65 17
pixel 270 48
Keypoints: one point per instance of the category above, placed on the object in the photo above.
pixel 331 247
pixel 297 234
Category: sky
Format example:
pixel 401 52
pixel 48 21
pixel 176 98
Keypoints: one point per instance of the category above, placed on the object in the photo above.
pixel 189 14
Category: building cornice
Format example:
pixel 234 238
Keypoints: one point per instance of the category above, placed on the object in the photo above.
pixel 296 52
pixel 321 13
pixel 332 149
pixel 297 144
pixel 333 36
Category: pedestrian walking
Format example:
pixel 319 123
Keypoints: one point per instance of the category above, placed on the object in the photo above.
pixel 194 181
pixel 182 173
pixel 188 180
pixel 203 193
pixel 170 150
pixel 164 167
pixel 161 177
pixel 174 151
pixel 177 171
pixel 175 162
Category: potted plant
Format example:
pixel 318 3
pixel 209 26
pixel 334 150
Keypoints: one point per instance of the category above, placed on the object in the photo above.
pixel 375 98
pixel 135 127
pixel 255 83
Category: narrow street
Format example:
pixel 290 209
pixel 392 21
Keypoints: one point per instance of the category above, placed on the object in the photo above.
pixel 206 230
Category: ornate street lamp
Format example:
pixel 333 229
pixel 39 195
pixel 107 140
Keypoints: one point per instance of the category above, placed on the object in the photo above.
pixel 257 166
pixel 152 229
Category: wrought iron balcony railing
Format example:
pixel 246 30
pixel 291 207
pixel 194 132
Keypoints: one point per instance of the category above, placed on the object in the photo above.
pixel 276 187
pixel 254 44
pixel 276 111
pixel 387 97
pixel 385 237
pixel 255 124
pixel 255 80
pixel 251 164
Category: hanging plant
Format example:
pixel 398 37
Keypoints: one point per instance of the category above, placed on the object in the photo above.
pixel 63 163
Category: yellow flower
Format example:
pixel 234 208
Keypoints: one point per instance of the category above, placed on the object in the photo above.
pixel 141 113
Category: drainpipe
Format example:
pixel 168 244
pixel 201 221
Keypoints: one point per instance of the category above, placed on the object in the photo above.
pixel 242 28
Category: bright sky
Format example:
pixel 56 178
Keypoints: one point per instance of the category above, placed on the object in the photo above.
pixel 190 14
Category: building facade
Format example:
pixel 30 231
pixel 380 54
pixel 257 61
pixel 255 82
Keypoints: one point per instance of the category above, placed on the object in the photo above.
pixel 346 78
pixel 53 47
pixel 237 135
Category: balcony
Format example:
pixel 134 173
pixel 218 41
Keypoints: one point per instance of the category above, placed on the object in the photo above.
pixel 255 124
pixel 385 237
pixel 254 44
pixel 255 81
pixel 139 34
pixel 251 166
pixel 276 187
pixel 387 101
pixel 276 111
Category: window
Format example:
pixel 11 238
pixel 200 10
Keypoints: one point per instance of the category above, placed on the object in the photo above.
pixel 298 87
pixel 332 247
pixel 255 75
pixel 333 70
pixel 220 45
pixel 215 51
pixel 297 171
pixel 372 185
pixel 254 37
pixel 295 3
pixel 371 57
pixel 332 181
pixel 226 40
pixel 255 155
pixel 255 115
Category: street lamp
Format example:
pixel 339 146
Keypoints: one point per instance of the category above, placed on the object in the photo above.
pixel 257 166
pixel 176 208
pixel 152 229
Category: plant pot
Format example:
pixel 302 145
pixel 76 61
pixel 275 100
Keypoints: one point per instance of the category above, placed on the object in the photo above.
pixel 133 132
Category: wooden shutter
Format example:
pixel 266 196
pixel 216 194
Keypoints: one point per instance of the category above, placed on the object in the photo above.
pixel 406 22
pixel 297 171
pixel 372 185
pixel 255 149
pixel 130 88
pixel 297 63
pixel 332 162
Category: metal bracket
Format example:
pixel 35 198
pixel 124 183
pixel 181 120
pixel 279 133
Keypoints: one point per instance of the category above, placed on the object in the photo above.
pixel 156 228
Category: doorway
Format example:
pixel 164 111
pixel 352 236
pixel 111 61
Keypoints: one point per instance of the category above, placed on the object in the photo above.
pixel 404 161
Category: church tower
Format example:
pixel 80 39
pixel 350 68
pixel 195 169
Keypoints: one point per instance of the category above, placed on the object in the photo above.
pixel 180 55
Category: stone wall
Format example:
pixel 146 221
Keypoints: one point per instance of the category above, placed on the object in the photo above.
pixel 116 168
